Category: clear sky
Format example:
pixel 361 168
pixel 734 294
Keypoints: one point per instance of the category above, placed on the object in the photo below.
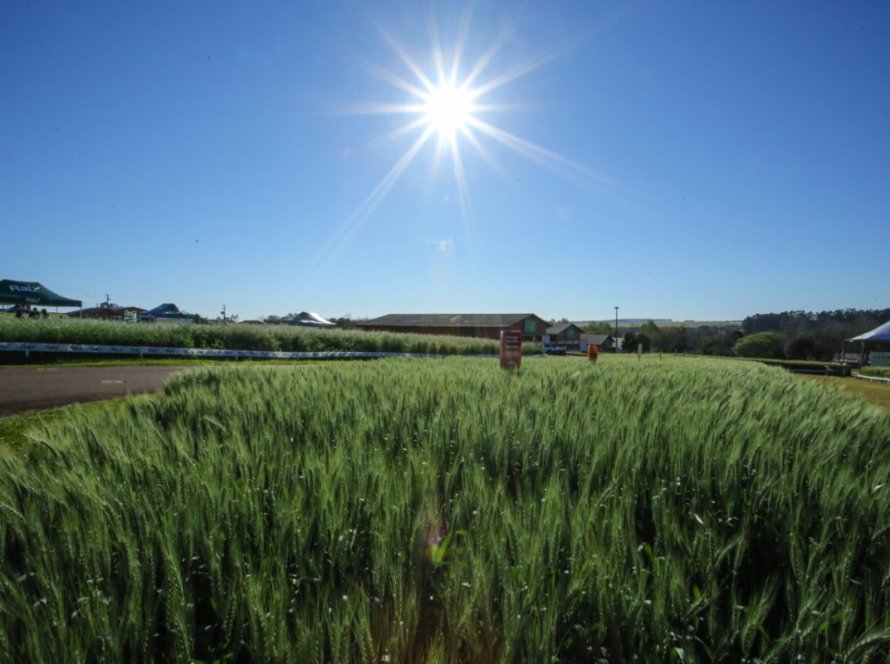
pixel 681 160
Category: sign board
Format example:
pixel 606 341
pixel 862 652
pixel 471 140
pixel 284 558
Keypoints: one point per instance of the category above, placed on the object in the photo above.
pixel 511 349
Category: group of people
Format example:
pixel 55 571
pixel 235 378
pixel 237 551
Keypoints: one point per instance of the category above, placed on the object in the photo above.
pixel 25 309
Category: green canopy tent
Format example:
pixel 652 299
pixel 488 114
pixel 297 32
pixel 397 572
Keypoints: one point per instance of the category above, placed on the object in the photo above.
pixel 33 293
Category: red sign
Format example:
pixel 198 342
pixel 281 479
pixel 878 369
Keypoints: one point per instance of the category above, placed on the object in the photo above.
pixel 511 349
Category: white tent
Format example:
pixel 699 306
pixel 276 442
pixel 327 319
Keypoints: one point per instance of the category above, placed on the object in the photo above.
pixel 870 345
pixel 880 333
pixel 310 319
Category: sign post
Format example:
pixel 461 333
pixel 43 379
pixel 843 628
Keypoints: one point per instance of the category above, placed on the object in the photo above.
pixel 511 349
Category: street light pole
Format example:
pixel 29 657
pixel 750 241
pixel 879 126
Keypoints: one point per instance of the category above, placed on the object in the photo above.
pixel 616 328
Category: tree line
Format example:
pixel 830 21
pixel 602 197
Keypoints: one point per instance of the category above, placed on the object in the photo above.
pixel 804 335
pixel 797 335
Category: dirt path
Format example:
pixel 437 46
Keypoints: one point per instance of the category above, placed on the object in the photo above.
pixel 33 388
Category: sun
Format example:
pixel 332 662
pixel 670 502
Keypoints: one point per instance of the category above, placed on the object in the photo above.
pixel 448 109
pixel 450 104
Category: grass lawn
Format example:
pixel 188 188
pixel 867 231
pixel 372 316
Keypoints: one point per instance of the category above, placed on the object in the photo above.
pixel 14 429
pixel 877 394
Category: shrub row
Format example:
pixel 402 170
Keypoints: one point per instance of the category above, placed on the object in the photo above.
pixel 240 337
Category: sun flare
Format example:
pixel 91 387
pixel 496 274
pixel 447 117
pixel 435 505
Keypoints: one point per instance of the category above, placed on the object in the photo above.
pixel 448 109
pixel 450 104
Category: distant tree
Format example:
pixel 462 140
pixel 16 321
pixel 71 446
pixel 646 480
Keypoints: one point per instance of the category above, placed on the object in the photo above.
pixel 762 323
pixel 650 329
pixel 599 328
pixel 818 335
pixel 715 341
pixel 808 347
pixel 801 348
pixel 633 339
pixel 629 343
pixel 760 344
pixel 671 340
pixel 649 335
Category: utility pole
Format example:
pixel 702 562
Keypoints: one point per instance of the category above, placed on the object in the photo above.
pixel 616 328
pixel 223 312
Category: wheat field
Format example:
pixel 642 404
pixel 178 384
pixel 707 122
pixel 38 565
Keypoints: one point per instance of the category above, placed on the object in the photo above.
pixel 445 511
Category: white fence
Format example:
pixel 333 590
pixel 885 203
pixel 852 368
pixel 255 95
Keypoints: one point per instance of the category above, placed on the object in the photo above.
pixel 208 353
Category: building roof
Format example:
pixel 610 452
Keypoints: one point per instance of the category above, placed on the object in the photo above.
pixel 104 310
pixel 167 310
pixel 559 328
pixel 448 320
pixel 598 339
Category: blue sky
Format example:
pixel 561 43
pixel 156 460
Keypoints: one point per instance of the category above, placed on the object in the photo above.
pixel 693 160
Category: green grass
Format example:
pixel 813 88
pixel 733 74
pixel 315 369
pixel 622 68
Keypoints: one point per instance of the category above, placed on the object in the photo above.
pixel 816 365
pixel 877 394
pixel 880 372
pixel 447 511
pixel 15 430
